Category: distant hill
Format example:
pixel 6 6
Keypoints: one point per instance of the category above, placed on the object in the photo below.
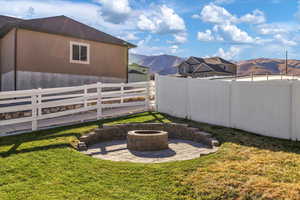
pixel 267 65
pixel 166 64
pixel 162 64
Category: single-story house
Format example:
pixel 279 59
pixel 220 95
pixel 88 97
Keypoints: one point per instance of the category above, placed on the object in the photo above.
pixel 138 73
pixel 204 67
pixel 58 52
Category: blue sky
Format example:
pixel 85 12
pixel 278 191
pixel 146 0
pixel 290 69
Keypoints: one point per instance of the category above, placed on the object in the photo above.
pixel 232 29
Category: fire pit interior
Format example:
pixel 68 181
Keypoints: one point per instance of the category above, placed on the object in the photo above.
pixel 147 140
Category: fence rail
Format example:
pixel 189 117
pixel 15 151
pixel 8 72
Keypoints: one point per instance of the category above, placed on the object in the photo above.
pixel 95 97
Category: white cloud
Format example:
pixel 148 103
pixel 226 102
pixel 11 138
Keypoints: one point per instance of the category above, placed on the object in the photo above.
pixel 225 28
pixel 232 33
pixel 145 48
pixel 229 33
pixel 22 8
pixel 206 36
pixel 161 21
pixel 215 14
pixel 129 36
pixel 277 28
pixel 195 16
pixel 174 49
pixel 180 38
pixel 284 41
pixel 146 24
pixel 256 17
pixel 232 53
pixel 116 11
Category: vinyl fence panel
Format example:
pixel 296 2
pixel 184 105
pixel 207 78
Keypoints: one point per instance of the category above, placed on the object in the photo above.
pixel 262 107
pixel 270 108
pixel 172 96
pixel 209 101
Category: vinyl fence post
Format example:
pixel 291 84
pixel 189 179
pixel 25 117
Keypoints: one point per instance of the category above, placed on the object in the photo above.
pixel 147 96
pixel 122 93
pixel 34 110
pixel 230 103
pixel 99 101
pixel 156 81
pixel 291 110
pixel 85 93
pixel 39 102
pixel 188 99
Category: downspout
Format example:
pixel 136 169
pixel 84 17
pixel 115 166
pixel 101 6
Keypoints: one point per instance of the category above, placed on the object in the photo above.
pixel 15 58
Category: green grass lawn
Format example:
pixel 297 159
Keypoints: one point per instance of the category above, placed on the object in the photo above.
pixel 43 165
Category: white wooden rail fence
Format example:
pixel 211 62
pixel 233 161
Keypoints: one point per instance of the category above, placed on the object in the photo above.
pixel 95 97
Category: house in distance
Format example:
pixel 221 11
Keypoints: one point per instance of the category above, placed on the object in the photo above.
pixel 58 52
pixel 205 67
pixel 138 73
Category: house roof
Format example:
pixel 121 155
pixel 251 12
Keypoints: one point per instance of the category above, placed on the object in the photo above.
pixel 5 19
pixel 217 60
pixel 214 63
pixel 61 25
pixel 137 65
pixel 133 71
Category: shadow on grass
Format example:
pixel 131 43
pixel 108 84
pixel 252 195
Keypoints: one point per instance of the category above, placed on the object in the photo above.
pixel 223 134
pixel 14 150
pixel 240 137
pixel 56 133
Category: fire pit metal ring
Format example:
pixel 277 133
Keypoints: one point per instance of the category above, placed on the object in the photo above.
pixel 147 140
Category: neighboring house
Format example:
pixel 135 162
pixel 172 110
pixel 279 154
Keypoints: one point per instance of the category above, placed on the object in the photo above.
pixel 204 67
pixel 138 73
pixel 58 52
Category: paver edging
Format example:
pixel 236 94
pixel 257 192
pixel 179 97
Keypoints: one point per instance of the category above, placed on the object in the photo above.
pixel 119 132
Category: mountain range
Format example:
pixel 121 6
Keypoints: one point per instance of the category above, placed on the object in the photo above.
pixel 162 64
pixel 166 64
pixel 268 65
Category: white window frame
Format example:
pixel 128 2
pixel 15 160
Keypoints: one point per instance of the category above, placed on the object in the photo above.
pixel 79 61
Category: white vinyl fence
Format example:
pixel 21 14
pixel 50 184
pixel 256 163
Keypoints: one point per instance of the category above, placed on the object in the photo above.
pixel 95 97
pixel 270 108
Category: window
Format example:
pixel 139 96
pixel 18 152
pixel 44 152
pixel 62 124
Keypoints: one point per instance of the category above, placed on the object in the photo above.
pixel 79 53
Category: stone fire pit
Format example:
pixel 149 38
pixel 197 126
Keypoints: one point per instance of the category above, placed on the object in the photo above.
pixel 147 140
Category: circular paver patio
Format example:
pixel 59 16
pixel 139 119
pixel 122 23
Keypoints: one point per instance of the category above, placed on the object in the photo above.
pixel 116 150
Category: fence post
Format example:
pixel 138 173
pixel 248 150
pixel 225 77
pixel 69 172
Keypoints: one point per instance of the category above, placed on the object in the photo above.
pixel 188 99
pixel 291 124
pixel 34 110
pixel 156 91
pixel 147 96
pixel 39 100
pixel 85 96
pixel 99 101
pixel 122 93
pixel 229 103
